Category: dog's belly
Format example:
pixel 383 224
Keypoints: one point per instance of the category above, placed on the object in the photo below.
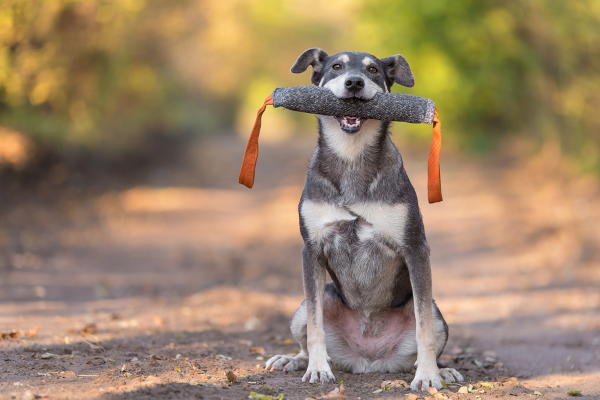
pixel 384 341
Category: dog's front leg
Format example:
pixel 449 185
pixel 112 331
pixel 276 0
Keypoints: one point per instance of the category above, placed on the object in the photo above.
pixel 420 278
pixel 313 271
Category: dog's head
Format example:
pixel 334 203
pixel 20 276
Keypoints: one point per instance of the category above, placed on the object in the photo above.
pixel 351 74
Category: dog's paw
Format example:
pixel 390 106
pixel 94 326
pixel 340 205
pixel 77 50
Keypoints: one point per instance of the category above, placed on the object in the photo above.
pixel 450 375
pixel 283 363
pixel 318 373
pixel 426 378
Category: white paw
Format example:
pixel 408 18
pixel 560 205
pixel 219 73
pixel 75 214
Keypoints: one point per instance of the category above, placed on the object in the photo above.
pixel 283 363
pixel 318 373
pixel 450 375
pixel 426 378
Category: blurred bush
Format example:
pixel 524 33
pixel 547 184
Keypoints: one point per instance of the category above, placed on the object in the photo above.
pixel 106 74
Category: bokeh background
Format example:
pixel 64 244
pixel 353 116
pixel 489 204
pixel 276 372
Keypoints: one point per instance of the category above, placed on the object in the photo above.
pixel 122 128
pixel 106 77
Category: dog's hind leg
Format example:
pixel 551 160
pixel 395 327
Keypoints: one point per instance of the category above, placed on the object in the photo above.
pixel 300 360
pixel 440 327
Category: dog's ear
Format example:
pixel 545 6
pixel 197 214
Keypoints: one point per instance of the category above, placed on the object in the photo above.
pixel 314 57
pixel 397 70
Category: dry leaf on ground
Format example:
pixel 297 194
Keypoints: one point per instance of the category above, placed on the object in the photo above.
pixel 45 356
pixel 256 350
pixel 432 390
pixel 412 396
pixel 337 393
pixel 463 389
pixel 31 333
pixel 89 329
pixel 231 377
pixel 10 335
pixel 393 384
pixel 94 345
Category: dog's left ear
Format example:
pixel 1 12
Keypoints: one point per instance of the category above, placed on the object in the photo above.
pixel 397 70
pixel 315 57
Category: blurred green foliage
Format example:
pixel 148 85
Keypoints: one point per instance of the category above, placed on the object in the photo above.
pixel 105 74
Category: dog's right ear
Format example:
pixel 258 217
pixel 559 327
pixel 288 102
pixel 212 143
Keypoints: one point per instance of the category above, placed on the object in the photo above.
pixel 314 57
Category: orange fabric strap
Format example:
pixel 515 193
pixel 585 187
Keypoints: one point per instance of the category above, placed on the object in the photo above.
pixel 251 154
pixel 434 184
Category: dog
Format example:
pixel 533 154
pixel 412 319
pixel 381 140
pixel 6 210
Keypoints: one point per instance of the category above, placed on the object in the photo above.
pixel 360 221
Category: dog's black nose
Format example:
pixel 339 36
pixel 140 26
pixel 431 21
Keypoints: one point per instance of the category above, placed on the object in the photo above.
pixel 354 83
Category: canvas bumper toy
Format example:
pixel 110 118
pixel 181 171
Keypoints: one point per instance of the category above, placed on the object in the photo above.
pixel 383 107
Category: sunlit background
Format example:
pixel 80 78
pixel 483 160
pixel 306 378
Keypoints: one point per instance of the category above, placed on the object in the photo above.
pixel 123 124
pixel 105 77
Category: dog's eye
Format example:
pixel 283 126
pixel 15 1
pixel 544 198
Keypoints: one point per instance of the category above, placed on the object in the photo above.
pixel 337 66
pixel 373 70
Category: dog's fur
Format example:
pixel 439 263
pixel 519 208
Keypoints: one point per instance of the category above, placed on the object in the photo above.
pixel 360 221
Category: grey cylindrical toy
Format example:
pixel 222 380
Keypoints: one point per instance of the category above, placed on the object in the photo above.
pixel 383 107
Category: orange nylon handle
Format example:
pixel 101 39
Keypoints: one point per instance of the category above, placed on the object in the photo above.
pixel 434 184
pixel 251 154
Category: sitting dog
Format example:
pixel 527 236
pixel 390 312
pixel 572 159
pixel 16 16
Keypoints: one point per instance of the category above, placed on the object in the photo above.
pixel 360 221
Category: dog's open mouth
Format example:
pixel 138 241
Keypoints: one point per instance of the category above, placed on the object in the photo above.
pixel 350 125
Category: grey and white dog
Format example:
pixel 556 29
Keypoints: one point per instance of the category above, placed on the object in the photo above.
pixel 360 221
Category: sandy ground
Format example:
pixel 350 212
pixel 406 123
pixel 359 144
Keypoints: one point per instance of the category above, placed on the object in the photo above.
pixel 157 288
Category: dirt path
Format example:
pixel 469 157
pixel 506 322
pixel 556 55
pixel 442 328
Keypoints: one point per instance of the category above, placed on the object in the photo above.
pixel 156 290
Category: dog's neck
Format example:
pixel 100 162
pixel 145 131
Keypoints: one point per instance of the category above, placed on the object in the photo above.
pixel 352 148
pixel 353 164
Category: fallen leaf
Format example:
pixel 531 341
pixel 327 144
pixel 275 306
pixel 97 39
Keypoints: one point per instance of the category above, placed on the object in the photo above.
pixel 393 384
pixel 499 365
pixel 412 396
pixel 89 329
pixel 231 377
pixel 67 374
pixel 478 363
pixel 463 389
pixel 378 391
pixel 260 396
pixel 155 357
pixel 260 358
pixel 177 369
pixel 47 355
pixel 10 335
pixel 574 393
pixel 444 384
pixel 440 396
pixel 432 390
pixel 127 374
pixel 124 368
pixel 257 350
pixel 537 393
pixel 94 345
pixel 337 393
pixel 31 333
pixel 487 384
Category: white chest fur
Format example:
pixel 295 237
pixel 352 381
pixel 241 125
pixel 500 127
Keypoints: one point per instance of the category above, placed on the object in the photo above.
pixel 384 220
pixel 349 147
